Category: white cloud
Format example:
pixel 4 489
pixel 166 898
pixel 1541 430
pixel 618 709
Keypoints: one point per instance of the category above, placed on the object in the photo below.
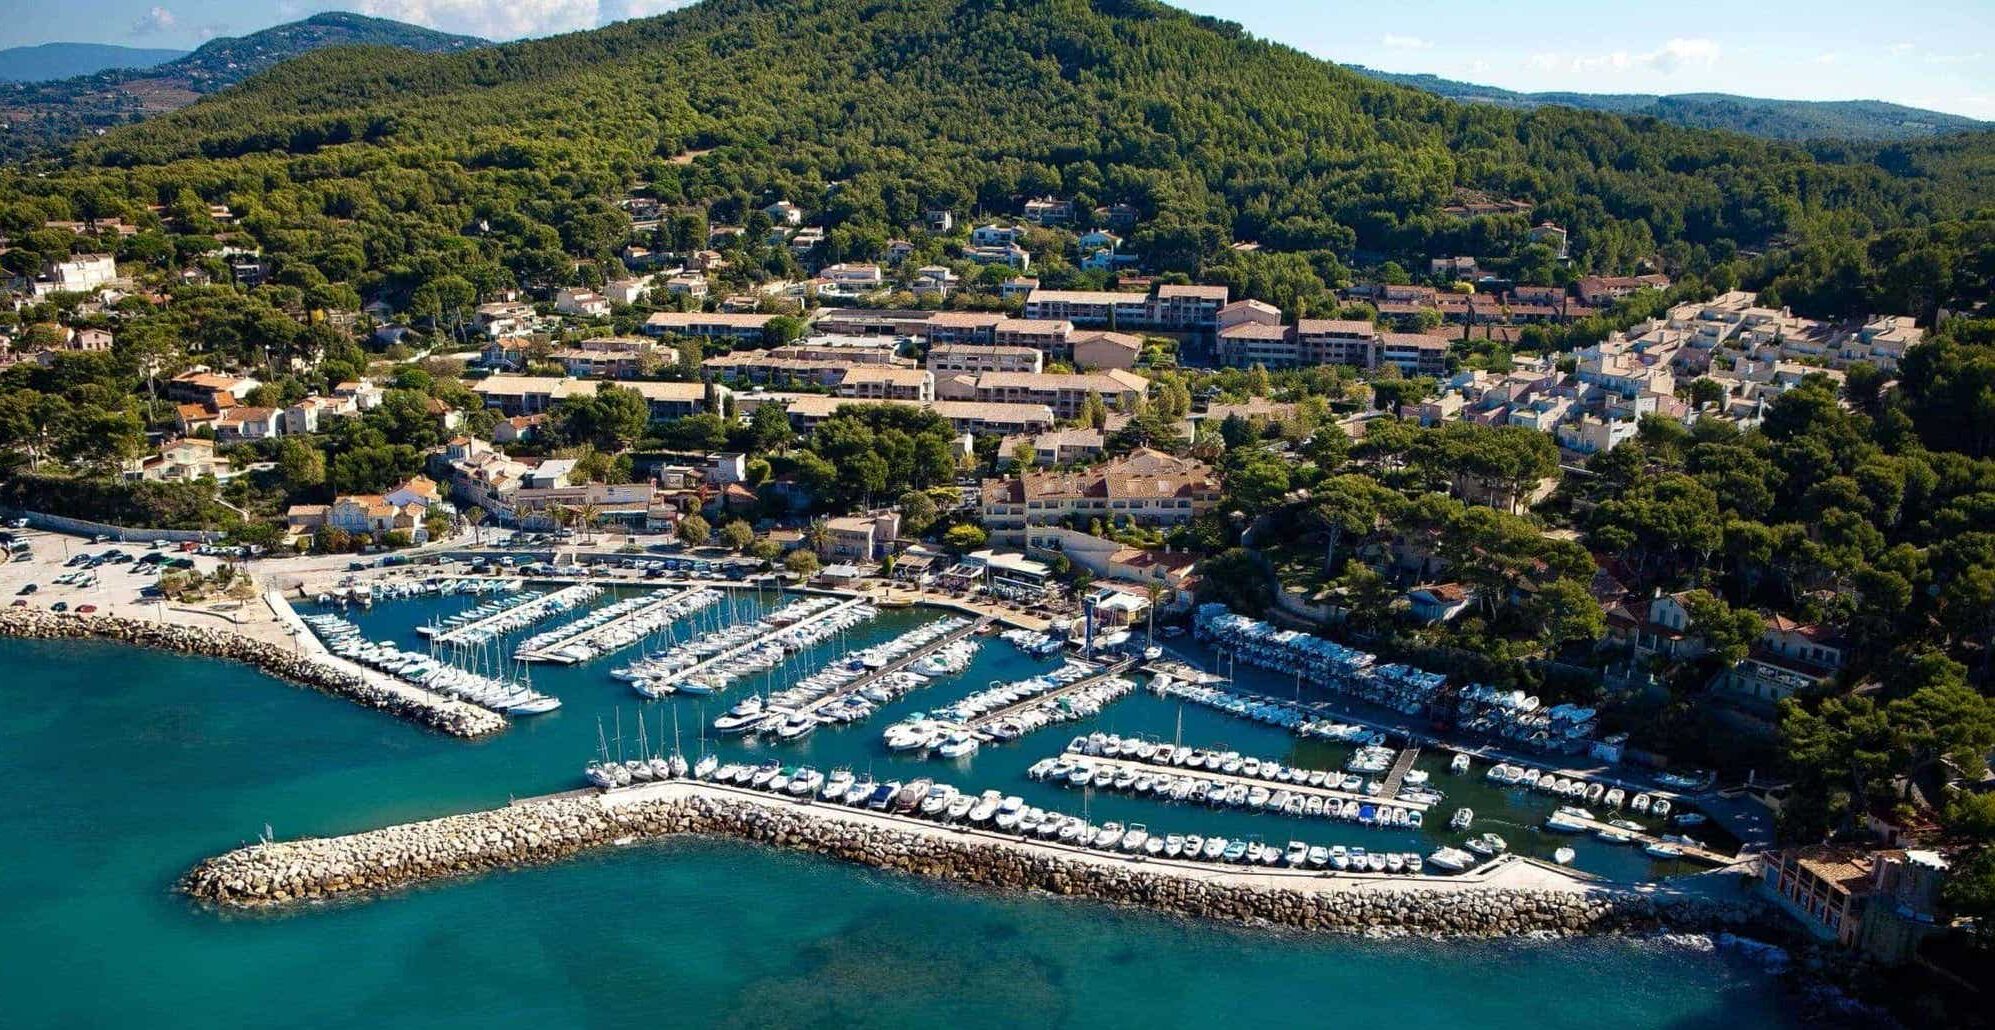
pixel 158 19
pixel 511 19
pixel 1901 49
pixel 1672 55
pixel 1828 58
pixel 1392 42
pixel 620 10
pixel 1974 58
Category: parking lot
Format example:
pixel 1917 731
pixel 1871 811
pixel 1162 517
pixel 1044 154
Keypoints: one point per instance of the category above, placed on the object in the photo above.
pixel 68 573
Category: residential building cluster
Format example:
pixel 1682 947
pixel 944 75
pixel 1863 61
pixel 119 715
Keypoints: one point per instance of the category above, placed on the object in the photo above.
pixel 1751 354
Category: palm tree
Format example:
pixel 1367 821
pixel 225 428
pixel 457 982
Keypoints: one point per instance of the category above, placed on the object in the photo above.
pixel 589 516
pixel 817 535
pixel 474 517
pixel 560 515
pixel 1155 592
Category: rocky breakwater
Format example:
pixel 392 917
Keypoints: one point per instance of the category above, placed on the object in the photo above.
pixel 548 829
pixel 440 713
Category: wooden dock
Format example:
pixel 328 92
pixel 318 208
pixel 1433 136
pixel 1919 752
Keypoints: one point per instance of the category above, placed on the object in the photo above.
pixel 974 626
pixel 1116 668
pixel 1336 794
pixel 546 651
pixel 1401 765
pixel 753 642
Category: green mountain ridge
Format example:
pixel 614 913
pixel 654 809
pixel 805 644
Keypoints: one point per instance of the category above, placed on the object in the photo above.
pixel 45 61
pixel 868 113
pixel 1869 120
pixel 45 114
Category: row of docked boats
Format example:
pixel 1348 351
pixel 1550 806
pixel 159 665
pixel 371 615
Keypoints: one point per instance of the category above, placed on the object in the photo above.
pixel 554 636
pixel 648 767
pixel 1403 688
pixel 948 734
pixel 942 803
pixel 999 696
pixel 1083 771
pixel 1246 706
pixel 1033 642
pixel 856 684
pixel 1572 819
pixel 595 635
pixel 1233 763
pixel 510 696
pixel 491 620
pixel 712 661
pixel 846 691
pixel 366 594
pixel 1515 715
pixel 1473 852
pixel 1577 789
pixel 476 613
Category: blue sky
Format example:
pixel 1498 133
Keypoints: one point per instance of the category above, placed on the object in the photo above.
pixel 1927 53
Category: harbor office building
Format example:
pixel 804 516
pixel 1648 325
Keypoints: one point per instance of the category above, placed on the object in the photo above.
pixel 1879 903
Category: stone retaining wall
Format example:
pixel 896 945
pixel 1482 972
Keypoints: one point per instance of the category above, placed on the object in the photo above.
pixel 544 830
pixel 443 714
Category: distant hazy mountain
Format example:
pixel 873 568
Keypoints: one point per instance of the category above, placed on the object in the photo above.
pixel 67 60
pixel 1758 116
pixel 40 115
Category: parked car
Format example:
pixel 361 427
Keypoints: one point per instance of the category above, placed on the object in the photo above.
pixel 26 590
pixel 86 609
pixel 59 606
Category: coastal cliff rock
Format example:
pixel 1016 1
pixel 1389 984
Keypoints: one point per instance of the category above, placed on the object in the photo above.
pixel 439 713
pixel 545 830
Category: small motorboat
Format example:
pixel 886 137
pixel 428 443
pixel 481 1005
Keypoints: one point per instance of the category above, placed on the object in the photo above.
pixel 1563 856
pixel 1451 859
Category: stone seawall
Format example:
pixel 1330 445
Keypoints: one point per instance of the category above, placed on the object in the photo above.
pixel 455 718
pixel 544 830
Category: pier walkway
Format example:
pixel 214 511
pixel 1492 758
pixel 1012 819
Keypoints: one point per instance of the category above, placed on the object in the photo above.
pixel 737 650
pixel 975 626
pixel 1116 668
pixel 1401 765
pixel 531 610
pixel 308 645
pixel 549 651
pixel 1140 765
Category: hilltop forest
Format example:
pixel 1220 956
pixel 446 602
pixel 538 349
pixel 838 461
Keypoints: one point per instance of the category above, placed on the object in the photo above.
pixel 364 165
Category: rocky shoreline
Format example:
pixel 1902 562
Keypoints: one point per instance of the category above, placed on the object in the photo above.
pixel 544 830
pixel 439 713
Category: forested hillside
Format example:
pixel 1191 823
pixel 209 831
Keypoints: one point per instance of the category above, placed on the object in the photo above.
pixel 1756 116
pixel 871 111
pixel 44 114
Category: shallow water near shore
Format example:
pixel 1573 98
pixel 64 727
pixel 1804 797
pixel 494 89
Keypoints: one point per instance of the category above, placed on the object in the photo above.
pixel 128 766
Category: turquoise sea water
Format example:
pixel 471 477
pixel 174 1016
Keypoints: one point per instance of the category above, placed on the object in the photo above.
pixel 124 767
